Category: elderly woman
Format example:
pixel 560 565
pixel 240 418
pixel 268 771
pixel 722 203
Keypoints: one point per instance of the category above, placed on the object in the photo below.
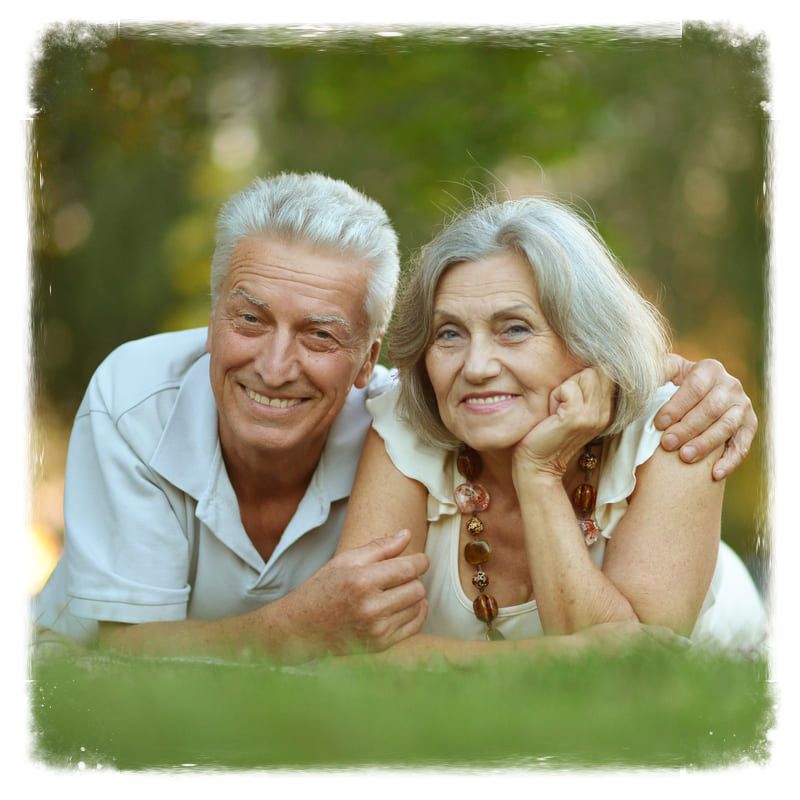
pixel 541 510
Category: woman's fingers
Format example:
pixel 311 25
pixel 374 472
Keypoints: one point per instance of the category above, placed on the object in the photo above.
pixel 585 399
pixel 579 409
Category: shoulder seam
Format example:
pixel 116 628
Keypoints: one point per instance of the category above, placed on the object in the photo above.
pixel 158 390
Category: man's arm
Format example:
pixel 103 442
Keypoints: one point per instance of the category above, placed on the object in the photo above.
pixel 368 598
pixel 709 409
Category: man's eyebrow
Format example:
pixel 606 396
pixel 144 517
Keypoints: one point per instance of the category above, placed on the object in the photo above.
pixel 249 297
pixel 314 319
pixel 327 320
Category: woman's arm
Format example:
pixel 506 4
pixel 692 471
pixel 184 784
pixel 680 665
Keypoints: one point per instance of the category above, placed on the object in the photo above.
pixel 658 570
pixel 572 593
pixel 664 549
pixel 383 501
pixel 608 638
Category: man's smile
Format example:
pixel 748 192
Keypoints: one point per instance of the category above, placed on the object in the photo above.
pixel 273 402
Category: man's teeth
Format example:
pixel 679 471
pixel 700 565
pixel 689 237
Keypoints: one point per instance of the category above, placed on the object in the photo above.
pixel 274 402
pixel 495 398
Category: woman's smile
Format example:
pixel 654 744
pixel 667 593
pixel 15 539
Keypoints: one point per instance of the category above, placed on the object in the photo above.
pixel 488 403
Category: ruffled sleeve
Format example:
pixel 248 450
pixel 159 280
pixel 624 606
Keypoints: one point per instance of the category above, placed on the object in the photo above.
pixel 431 466
pixel 622 456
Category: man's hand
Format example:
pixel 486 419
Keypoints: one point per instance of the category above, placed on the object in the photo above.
pixel 369 597
pixel 709 409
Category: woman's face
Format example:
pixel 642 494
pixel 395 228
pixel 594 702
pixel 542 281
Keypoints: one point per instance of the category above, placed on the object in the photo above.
pixel 493 359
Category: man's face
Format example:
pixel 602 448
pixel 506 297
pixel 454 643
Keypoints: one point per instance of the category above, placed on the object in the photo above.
pixel 288 339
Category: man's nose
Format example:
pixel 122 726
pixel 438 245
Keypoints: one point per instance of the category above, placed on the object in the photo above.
pixel 480 360
pixel 278 362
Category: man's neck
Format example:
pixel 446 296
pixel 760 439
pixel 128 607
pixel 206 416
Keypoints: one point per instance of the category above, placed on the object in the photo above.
pixel 258 477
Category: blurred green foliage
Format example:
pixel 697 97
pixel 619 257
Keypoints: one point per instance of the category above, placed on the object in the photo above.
pixel 141 133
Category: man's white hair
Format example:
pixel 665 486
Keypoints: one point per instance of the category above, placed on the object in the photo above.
pixel 319 211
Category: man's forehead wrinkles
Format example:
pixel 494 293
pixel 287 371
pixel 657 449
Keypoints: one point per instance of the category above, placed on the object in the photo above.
pixel 324 271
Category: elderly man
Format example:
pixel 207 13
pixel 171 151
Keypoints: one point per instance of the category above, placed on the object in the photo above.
pixel 209 470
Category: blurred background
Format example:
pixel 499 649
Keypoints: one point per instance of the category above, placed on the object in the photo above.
pixel 140 134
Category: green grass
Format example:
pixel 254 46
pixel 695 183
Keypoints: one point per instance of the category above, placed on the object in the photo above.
pixel 647 708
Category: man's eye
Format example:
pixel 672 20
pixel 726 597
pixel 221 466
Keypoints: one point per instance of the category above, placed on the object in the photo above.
pixel 321 340
pixel 251 319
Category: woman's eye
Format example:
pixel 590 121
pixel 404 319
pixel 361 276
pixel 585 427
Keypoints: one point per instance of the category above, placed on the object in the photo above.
pixel 517 329
pixel 447 335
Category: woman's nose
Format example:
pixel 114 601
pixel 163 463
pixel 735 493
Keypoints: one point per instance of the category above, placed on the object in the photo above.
pixel 481 362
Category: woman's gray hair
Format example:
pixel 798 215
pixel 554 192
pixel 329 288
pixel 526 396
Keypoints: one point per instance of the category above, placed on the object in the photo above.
pixel 319 211
pixel 584 292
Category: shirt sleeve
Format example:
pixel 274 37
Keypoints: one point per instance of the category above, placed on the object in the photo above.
pixel 415 459
pixel 127 553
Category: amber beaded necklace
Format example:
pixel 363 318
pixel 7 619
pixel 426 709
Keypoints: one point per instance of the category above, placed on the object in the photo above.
pixel 472 498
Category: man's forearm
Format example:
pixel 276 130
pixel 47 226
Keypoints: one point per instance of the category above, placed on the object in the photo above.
pixel 262 633
pixel 367 598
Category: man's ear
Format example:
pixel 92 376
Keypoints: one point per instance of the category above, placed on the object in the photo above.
pixel 365 372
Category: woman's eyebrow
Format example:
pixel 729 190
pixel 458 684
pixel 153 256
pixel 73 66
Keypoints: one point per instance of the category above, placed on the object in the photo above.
pixel 439 314
pixel 511 310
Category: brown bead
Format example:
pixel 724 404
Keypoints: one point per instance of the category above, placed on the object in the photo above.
pixel 485 607
pixel 474 526
pixel 588 461
pixel 584 497
pixel 478 551
pixel 469 464
pixel 480 580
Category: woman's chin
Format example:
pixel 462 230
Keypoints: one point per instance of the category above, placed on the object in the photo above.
pixel 492 443
pixel 491 438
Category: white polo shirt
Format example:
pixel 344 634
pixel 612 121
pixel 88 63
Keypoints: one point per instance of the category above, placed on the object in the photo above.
pixel 152 525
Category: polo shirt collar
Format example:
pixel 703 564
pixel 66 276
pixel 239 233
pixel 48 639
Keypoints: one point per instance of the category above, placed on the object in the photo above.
pixel 343 446
pixel 333 477
pixel 188 456
pixel 185 453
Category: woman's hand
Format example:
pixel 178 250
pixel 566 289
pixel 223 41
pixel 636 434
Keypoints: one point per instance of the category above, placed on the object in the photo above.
pixel 580 410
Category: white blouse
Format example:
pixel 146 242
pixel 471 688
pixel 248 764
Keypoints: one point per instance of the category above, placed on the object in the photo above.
pixel 732 613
